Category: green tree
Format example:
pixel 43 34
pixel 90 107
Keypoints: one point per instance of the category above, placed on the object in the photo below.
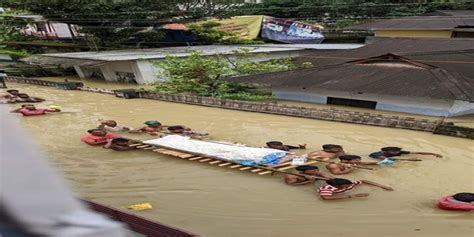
pixel 204 75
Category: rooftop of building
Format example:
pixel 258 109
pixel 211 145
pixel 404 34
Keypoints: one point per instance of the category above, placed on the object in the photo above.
pixel 159 53
pixel 438 20
pixel 387 74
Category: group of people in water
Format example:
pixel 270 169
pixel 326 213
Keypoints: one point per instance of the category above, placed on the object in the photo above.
pixel 328 186
pixel 106 133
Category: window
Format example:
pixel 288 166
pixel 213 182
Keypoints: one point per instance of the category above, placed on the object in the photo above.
pixel 350 102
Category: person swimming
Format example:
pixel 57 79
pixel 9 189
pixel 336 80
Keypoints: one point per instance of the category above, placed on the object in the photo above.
pixel 153 128
pixel 184 131
pixel 120 144
pixel 31 110
pixel 22 97
pixel 388 152
pixel 311 174
pixel 12 93
pixel 98 136
pixel 347 165
pixel 457 202
pixel 336 188
pixel 330 151
pixel 112 126
pixel 280 146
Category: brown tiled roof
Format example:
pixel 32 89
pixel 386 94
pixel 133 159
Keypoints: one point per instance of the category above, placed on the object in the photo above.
pixel 400 77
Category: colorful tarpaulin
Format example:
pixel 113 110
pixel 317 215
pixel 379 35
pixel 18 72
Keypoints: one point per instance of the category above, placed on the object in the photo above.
pixel 245 27
pixel 292 32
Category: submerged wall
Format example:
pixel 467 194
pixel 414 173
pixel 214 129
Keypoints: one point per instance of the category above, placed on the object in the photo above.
pixel 427 125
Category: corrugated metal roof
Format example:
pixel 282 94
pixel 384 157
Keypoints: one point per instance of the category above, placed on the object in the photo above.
pixel 418 23
pixel 141 54
pixel 449 54
pixel 157 53
pixel 377 78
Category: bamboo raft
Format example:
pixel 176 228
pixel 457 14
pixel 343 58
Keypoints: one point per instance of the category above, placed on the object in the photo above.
pixel 259 170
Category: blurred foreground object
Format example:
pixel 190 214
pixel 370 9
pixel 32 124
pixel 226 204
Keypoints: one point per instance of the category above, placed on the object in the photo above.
pixel 140 206
pixel 34 200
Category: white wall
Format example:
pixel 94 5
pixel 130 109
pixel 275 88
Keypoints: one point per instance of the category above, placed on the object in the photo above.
pixel 146 71
pixel 109 69
pixel 433 107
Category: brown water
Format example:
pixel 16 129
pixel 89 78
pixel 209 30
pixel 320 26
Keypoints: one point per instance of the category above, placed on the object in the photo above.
pixel 214 201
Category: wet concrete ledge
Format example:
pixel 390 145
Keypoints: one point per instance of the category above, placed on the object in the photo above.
pixel 373 119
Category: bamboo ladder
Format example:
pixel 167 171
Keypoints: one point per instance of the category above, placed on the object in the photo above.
pixel 260 170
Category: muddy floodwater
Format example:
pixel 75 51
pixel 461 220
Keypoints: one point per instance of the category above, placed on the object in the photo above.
pixel 215 201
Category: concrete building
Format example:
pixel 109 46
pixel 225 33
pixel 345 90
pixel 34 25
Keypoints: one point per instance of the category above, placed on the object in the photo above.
pixel 386 82
pixel 440 24
pixel 141 65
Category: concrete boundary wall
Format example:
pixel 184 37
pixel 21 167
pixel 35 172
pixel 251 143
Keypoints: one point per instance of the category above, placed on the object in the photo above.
pixel 312 113
pixel 364 118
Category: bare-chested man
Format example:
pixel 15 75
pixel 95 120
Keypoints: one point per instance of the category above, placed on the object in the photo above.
pixel 330 151
pixel 347 165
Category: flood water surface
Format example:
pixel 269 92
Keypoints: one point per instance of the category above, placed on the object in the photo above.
pixel 215 201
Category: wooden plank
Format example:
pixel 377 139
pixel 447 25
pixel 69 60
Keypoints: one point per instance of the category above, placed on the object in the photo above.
pixel 196 158
pixel 235 166
pixel 246 168
pixel 185 156
pixel 204 160
pixel 282 164
pixel 215 162
pixel 256 170
pixel 149 148
pixel 159 150
pixel 136 144
pixel 292 166
pixel 225 164
pixel 142 146
pixel 265 172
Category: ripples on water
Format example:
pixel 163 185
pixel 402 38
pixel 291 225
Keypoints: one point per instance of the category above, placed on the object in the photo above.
pixel 221 202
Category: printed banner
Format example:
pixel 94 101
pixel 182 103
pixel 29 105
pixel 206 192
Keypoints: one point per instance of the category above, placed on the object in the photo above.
pixel 292 32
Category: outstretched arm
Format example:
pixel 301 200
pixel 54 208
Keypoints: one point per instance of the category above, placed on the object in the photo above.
pixel 428 154
pixel 137 130
pixel 339 169
pixel 377 185
pixel 345 196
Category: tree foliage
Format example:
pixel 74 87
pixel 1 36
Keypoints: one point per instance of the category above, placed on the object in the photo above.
pixel 204 75
pixel 116 23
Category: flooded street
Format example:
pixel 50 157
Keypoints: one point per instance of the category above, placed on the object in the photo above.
pixel 216 202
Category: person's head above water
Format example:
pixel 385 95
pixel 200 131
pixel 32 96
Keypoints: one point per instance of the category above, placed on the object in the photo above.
pixel 23 95
pixel 110 123
pixel 464 197
pixel 339 183
pixel 120 141
pixel 152 123
pixel 13 92
pixel 391 150
pixel 308 169
pixel 177 129
pixel 275 144
pixel 28 106
pixel 350 159
pixel 332 148
pixel 97 132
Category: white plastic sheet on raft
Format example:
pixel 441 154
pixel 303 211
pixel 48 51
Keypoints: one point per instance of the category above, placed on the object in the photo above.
pixel 228 152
